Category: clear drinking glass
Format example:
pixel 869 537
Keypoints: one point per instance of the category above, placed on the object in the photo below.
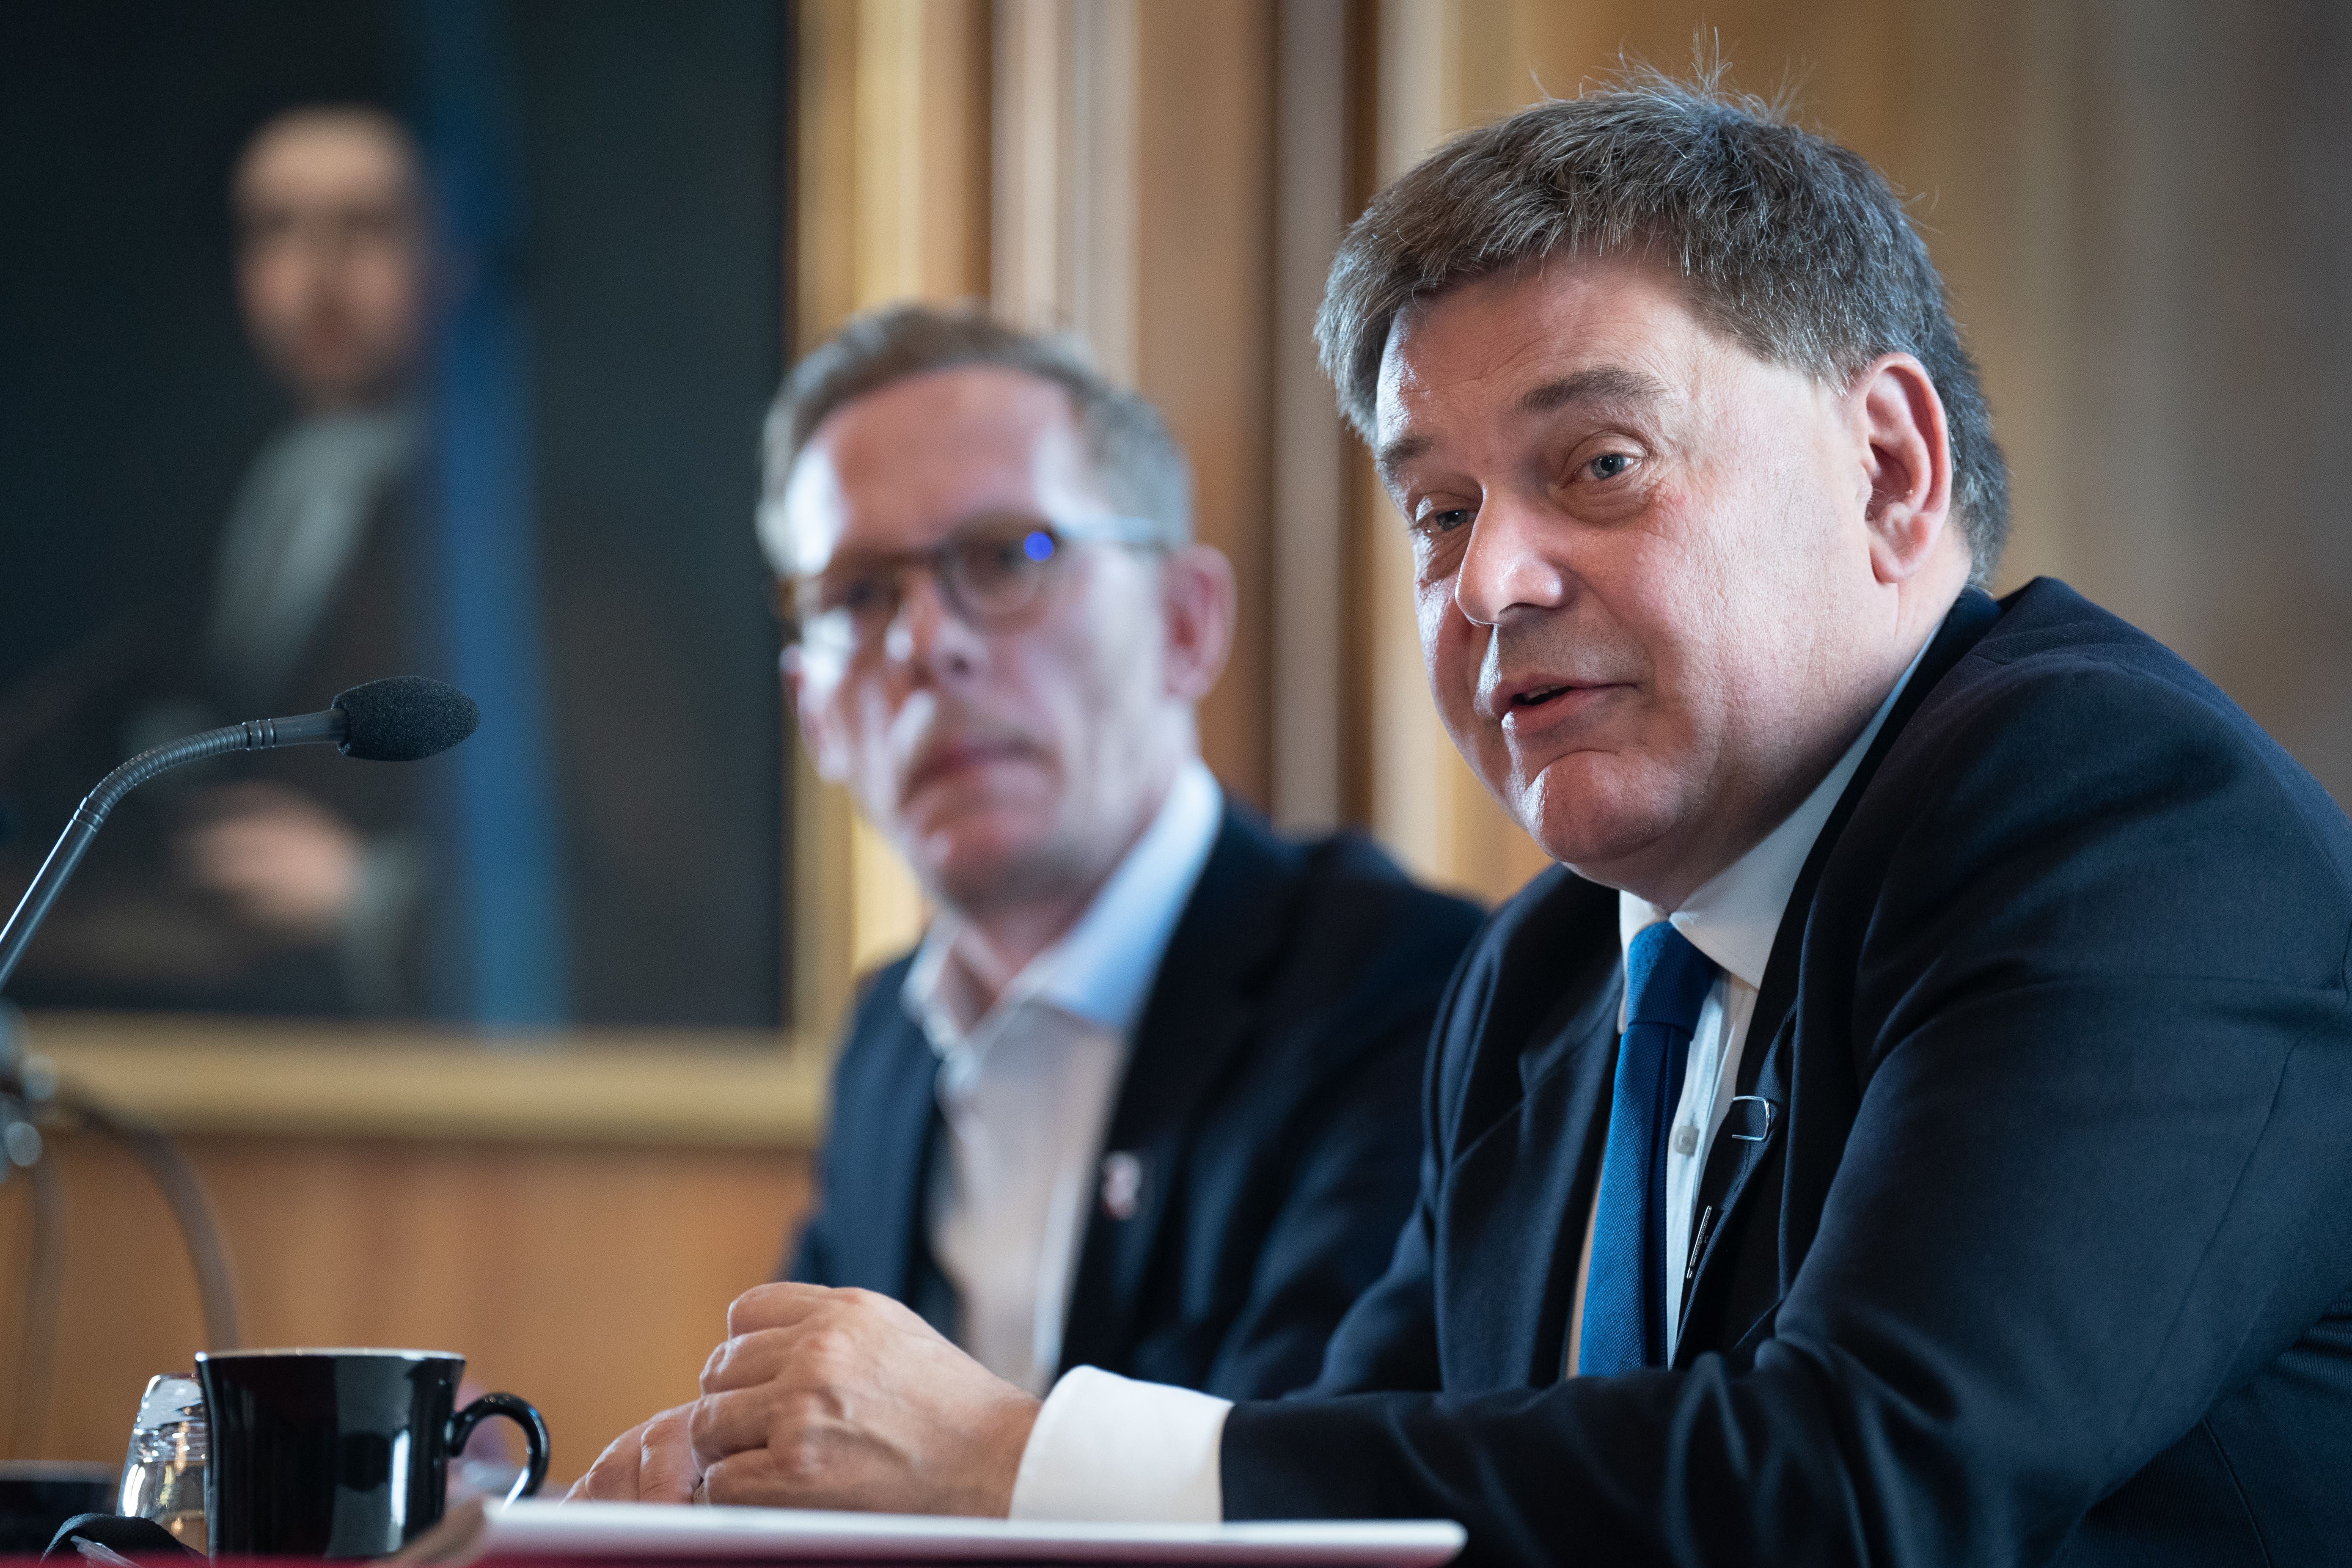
pixel 163 1473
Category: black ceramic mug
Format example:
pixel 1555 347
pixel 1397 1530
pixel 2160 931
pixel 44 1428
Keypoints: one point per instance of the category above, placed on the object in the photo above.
pixel 340 1453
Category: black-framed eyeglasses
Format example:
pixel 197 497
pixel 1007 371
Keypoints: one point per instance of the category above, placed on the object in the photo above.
pixel 992 573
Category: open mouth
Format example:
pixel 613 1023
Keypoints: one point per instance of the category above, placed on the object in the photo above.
pixel 1553 703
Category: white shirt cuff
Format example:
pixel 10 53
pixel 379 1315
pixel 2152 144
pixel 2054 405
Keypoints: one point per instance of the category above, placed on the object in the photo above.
pixel 1108 1448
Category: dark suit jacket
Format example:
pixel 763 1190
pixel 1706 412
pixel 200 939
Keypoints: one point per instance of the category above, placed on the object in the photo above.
pixel 2045 1251
pixel 1273 1097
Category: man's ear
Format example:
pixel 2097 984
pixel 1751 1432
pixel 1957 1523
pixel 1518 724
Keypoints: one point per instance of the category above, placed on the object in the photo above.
pixel 1198 596
pixel 828 752
pixel 1907 461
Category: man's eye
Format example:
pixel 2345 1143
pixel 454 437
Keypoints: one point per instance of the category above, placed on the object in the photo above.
pixel 857 595
pixel 1445 519
pixel 1000 557
pixel 1609 465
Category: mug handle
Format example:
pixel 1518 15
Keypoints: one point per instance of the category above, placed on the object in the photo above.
pixel 518 1410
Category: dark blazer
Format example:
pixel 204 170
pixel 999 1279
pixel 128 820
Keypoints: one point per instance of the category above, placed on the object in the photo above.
pixel 2042 1250
pixel 1272 1097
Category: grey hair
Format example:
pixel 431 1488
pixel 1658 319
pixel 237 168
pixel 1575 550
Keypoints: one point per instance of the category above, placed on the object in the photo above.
pixel 1137 463
pixel 1787 243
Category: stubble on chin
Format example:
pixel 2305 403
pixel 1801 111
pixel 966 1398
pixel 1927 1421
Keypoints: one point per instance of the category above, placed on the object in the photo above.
pixel 1591 811
pixel 1008 874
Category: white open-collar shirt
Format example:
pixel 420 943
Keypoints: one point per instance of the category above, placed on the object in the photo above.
pixel 1026 1089
pixel 1108 1447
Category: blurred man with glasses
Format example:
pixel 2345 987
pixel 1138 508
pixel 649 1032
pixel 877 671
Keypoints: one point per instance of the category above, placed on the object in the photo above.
pixel 1146 1095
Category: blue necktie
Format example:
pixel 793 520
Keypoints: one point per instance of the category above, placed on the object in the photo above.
pixel 1625 1291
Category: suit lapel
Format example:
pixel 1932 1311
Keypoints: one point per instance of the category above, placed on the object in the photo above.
pixel 890 1158
pixel 1762 1132
pixel 1200 1017
pixel 1518 1198
pixel 1753 1133
pixel 1202 1014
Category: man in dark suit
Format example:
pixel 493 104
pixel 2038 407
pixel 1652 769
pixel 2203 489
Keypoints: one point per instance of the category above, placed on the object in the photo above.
pixel 1255 1160
pixel 1911 1128
pixel 1146 1097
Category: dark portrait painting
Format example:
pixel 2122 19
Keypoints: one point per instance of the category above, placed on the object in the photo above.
pixel 389 337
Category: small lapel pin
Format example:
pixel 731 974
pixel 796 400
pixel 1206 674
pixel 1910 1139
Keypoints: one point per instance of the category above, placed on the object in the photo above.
pixel 1122 1183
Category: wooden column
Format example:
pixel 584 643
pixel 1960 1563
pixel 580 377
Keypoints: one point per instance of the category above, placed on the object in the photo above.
pixel 893 202
pixel 1204 305
pixel 1134 205
pixel 1308 641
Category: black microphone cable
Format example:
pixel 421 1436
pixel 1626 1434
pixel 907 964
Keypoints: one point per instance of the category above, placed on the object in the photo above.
pixel 30 1097
pixel 191 1210
pixel 37 1342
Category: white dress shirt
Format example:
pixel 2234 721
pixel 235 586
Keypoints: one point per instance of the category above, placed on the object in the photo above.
pixel 1026 1089
pixel 1108 1447
pixel 295 529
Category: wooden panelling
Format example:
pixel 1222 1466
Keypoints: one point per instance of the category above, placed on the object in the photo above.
pixel 1307 535
pixel 1205 289
pixel 593 1279
pixel 892 121
pixel 318 1079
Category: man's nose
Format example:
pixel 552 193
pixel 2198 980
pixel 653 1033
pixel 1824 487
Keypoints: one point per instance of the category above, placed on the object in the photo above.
pixel 1515 557
pixel 925 635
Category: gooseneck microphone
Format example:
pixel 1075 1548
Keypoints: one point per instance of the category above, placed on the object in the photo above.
pixel 401 720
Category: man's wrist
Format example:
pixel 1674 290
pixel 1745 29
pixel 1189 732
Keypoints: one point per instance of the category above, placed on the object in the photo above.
pixel 1105 1447
pixel 1006 1444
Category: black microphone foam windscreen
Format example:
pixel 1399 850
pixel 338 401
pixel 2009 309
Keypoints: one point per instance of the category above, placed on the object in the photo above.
pixel 405 717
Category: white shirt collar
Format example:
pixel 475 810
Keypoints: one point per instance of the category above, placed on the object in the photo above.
pixel 1102 968
pixel 1734 915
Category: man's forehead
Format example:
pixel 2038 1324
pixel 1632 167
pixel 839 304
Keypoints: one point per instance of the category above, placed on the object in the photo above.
pixel 327 157
pixel 899 467
pixel 1530 341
